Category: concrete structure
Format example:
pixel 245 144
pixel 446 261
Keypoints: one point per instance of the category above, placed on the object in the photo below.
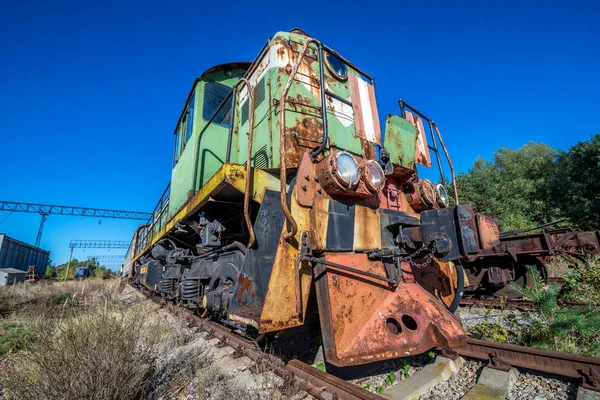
pixel 19 255
pixel 425 380
pixel 493 384
pixel 10 276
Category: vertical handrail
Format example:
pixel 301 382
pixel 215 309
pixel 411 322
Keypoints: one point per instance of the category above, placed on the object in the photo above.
pixel 433 126
pixel 449 162
pixel 248 166
pixel 321 147
pixel 282 169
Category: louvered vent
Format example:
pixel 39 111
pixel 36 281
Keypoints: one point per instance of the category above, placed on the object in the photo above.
pixel 259 93
pixel 245 108
pixel 261 158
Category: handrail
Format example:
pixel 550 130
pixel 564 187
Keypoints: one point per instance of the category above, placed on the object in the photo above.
pixel 248 165
pixel 454 185
pixel 282 169
pixel 433 126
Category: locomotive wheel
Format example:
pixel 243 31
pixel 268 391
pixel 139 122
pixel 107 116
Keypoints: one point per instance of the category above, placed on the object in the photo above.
pixel 523 278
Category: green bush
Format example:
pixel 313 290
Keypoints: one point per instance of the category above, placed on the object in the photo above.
pixel 14 337
pixel 561 328
pixel 583 284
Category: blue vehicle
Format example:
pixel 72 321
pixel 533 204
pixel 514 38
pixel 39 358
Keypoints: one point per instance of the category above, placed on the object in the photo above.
pixel 82 273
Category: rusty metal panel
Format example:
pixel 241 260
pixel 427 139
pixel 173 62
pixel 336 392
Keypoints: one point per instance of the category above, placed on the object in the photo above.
pixel 489 235
pixel 366 118
pixel 400 141
pixel 438 278
pixel 423 156
pixel 279 310
pixel 365 320
pixel 367 228
pixel 468 229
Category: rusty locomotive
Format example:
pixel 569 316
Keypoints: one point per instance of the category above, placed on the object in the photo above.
pixel 287 192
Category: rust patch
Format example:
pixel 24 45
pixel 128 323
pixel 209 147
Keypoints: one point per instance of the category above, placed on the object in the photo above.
pixel 363 321
pixel 246 286
pixel 422 149
pixel 487 227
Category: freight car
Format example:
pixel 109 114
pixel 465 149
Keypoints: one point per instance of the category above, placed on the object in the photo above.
pixel 284 194
pixel 19 255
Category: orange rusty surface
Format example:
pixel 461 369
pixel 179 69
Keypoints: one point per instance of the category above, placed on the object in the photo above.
pixel 279 310
pixel 305 180
pixel 489 234
pixel 422 150
pixel 367 228
pixel 438 278
pixel 364 320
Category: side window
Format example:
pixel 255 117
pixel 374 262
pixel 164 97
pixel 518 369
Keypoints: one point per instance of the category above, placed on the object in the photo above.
pixel 214 94
pixel 177 146
pixel 189 120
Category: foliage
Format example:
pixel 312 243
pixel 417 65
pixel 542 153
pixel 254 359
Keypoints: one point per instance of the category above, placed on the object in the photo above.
pixel 583 283
pixel 50 272
pixel 14 336
pixel 544 297
pixel 560 328
pixel 512 188
pixel 102 355
pixel 490 331
pixel 404 370
pixel 536 184
pixel 576 187
pixel 390 379
pixel 320 366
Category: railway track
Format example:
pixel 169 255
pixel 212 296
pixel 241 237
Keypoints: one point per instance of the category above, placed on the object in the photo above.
pixel 504 356
pixel 319 384
pixel 324 386
pixel 511 304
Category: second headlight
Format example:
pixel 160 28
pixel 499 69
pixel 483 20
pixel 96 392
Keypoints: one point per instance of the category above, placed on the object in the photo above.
pixel 373 176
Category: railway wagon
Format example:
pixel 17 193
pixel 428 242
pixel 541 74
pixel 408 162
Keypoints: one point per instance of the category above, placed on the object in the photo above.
pixel 285 196
pixel 19 255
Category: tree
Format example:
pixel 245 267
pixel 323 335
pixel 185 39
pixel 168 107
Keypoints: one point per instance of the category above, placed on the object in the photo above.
pixel 575 188
pixel 513 188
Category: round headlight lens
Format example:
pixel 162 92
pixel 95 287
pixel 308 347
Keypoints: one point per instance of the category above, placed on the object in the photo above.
pixel 442 196
pixel 374 177
pixel 347 169
pixel 336 66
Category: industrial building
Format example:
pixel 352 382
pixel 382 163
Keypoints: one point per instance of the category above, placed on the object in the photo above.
pixel 18 255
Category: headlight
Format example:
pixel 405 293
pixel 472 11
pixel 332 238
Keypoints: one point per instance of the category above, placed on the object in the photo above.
pixel 442 196
pixel 347 169
pixel 373 176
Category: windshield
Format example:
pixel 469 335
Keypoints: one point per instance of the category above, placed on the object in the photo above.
pixel 214 94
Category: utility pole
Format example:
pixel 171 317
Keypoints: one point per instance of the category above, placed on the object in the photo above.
pixel 69 264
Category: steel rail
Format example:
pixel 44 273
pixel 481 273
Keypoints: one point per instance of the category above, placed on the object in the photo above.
pixel 515 304
pixel 311 380
pixel 502 356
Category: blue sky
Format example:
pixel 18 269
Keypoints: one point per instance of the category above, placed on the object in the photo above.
pixel 90 91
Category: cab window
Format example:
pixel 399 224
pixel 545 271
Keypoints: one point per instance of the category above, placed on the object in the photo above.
pixel 188 122
pixel 214 94
pixel 177 146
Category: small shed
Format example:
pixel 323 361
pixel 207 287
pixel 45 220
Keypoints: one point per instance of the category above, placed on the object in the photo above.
pixel 10 276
